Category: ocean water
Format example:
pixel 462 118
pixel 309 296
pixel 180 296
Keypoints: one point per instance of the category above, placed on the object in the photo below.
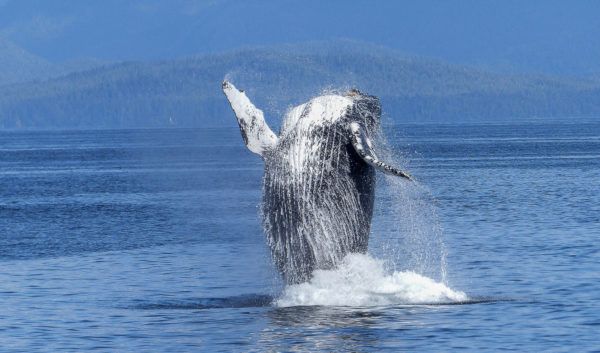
pixel 150 241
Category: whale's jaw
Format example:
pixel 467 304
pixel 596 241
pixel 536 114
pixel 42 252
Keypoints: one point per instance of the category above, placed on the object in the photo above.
pixel 317 201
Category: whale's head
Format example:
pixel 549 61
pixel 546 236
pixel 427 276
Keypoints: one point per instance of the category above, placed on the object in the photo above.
pixel 353 113
pixel 363 120
pixel 364 110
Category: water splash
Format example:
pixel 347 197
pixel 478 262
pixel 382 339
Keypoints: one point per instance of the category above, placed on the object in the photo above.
pixel 408 231
pixel 362 280
pixel 409 261
pixel 406 228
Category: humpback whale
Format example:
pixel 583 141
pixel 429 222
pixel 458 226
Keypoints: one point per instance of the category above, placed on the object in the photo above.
pixel 319 178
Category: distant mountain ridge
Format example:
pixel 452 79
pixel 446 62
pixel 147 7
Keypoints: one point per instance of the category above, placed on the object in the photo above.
pixel 551 36
pixel 186 92
pixel 17 64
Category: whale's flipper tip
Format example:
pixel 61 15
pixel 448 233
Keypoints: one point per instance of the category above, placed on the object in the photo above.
pixel 256 133
pixel 405 175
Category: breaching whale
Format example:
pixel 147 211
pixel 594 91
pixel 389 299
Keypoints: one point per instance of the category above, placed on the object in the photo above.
pixel 319 180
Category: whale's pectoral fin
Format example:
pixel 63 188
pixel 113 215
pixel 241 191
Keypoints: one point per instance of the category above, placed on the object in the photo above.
pixel 255 131
pixel 362 146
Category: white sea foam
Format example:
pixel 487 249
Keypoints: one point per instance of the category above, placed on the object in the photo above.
pixel 362 280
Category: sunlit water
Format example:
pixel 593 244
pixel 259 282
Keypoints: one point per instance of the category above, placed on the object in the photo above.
pixel 151 241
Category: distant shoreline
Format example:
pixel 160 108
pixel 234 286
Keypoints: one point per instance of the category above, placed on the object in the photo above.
pixel 530 121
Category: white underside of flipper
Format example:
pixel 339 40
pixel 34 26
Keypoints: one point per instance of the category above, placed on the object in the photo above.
pixel 255 131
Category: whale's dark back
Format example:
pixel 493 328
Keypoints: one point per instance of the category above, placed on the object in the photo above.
pixel 318 200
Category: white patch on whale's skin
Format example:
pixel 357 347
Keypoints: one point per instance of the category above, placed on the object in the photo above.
pixel 255 131
pixel 318 112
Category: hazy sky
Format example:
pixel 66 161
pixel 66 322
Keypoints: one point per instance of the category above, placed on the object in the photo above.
pixel 548 36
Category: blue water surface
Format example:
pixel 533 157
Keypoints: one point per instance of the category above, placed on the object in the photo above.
pixel 150 241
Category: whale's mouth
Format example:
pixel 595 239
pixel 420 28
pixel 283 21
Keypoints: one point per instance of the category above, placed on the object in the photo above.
pixel 361 280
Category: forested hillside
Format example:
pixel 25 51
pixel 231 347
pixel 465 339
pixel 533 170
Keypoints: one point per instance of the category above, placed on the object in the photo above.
pixel 187 92
pixel 16 64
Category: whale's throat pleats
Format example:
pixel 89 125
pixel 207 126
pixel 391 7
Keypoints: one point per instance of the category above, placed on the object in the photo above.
pixel 318 200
